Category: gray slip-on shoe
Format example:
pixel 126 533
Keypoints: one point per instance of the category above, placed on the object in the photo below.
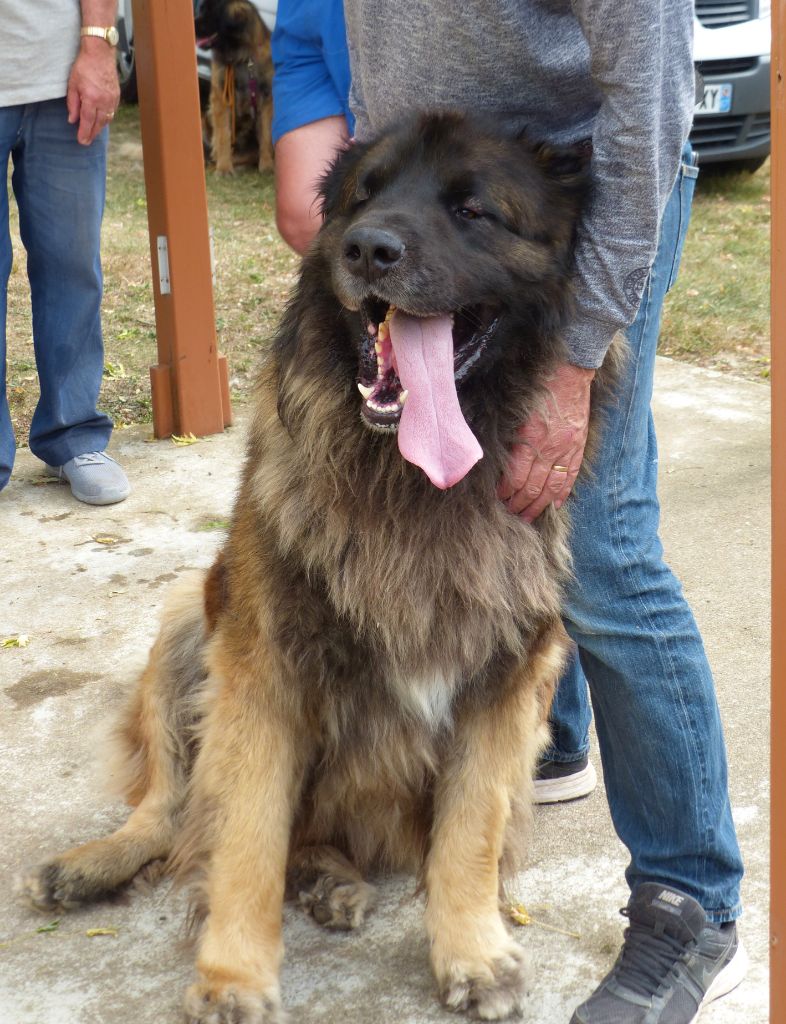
pixel 95 478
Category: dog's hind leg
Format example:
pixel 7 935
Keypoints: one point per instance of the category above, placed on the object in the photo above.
pixel 264 133
pixel 154 736
pixel 478 966
pixel 329 887
pixel 220 107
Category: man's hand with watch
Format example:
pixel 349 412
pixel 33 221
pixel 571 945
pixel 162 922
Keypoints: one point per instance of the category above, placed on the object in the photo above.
pixel 93 89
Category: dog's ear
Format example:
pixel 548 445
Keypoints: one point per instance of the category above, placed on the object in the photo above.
pixel 570 165
pixel 340 182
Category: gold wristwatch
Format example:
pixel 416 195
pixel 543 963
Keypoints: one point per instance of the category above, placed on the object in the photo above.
pixel 109 35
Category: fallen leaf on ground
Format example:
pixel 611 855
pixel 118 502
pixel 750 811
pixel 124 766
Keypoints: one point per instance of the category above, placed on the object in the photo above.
pixel 92 932
pixel 184 439
pixel 518 913
pixel 20 640
pixel 214 524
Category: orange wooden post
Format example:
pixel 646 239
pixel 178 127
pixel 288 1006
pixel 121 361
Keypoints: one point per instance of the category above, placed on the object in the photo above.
pixel 778 291
pixel 190 386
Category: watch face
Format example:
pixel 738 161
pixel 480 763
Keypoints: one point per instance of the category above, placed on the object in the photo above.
pixel 112 36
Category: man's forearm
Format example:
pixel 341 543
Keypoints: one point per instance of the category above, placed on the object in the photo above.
pixel 101 13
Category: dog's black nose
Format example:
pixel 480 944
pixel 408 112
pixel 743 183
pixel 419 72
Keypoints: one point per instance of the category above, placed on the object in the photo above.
pixel 370 252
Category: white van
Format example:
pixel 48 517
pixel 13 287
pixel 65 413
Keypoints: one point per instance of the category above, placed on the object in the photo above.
pixel 732 51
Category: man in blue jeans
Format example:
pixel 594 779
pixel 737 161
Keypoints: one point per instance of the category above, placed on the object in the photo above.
pixel 616 75
pixel 58 92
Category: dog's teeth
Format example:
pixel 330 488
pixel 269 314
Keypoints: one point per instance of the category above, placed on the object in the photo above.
pixel 402 396
pixel 365 390
pixel 377 345
pixel 384 331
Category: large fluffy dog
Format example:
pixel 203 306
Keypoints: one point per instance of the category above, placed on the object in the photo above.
pixel 362 680
pixel 240 107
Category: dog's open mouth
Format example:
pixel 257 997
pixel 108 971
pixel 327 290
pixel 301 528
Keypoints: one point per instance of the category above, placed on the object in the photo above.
pixel 378 381
pixel 409 369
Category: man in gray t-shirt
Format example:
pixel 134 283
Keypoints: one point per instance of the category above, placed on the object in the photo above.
pixel 58 92
pixel 618 73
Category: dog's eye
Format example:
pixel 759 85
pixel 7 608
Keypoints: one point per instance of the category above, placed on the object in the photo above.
pixel 467 212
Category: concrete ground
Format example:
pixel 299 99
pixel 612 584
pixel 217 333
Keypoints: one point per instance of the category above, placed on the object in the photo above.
pixel 85 584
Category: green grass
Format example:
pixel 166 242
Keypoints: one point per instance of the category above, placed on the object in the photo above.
pixel 717 314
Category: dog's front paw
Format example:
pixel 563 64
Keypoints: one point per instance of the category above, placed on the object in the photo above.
pixel 336 903
pixel 207 1003
pixel 492 990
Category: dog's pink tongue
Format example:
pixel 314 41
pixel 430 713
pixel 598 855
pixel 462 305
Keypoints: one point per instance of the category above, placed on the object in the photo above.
pixel 432 433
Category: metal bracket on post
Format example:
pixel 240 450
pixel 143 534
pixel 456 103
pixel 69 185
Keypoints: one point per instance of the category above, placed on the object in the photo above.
pixel 163 265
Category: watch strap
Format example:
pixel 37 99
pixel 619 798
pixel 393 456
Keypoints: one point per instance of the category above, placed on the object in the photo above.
pixel 109 35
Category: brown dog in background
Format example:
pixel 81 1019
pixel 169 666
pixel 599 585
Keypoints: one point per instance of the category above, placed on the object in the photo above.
pixel 362 680
pixel 240 108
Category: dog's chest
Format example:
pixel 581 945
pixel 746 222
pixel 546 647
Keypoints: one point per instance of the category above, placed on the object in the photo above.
pixel 427 696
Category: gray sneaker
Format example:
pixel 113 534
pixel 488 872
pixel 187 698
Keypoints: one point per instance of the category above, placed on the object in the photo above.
pixel 95 478
pixel 672 964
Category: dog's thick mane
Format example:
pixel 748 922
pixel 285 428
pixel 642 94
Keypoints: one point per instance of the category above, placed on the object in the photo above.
pixel 338 504
pixel 398 559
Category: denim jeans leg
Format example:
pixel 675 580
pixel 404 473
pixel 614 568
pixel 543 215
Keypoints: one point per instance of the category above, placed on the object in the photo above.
pixel 10 120
pixel 59 187
pixel 656 714
pixel 570 716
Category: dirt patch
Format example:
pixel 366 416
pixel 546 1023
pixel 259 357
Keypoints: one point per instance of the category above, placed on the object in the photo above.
pixel 37 686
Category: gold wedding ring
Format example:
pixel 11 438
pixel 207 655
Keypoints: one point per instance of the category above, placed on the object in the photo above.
pixel 560 469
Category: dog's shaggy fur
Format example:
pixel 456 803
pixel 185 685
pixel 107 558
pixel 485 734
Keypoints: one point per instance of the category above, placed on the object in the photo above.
pixel 240 107
pixel 362 679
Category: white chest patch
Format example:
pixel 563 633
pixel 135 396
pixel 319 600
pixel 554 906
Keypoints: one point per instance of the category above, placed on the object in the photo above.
pixel 429 697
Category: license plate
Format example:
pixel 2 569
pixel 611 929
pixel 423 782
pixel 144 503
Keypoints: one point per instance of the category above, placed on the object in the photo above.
pixel 716 99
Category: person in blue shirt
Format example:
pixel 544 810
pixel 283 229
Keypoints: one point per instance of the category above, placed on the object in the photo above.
pixel 311 116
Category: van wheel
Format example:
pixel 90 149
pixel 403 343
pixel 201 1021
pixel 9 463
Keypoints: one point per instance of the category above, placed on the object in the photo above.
pixel 126 73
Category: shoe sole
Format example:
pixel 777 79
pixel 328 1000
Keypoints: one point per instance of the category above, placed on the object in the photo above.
pixel 728 979
pixel 569 787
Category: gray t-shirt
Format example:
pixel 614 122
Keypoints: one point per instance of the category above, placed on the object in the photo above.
pixel 618 71
pixel 39 40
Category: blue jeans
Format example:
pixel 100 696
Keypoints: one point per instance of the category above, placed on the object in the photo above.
pixel 59 188
pixel 637 644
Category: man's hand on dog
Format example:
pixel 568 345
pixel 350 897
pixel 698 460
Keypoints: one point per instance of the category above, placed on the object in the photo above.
pixel 93 89
pixel 546 458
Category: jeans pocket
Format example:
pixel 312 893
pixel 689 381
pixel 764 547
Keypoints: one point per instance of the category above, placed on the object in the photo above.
pixel 686 185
